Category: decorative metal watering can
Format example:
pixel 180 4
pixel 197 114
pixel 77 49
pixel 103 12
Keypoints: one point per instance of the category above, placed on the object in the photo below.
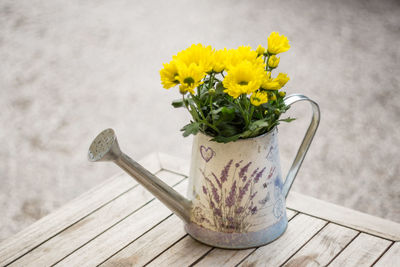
pixel 236 195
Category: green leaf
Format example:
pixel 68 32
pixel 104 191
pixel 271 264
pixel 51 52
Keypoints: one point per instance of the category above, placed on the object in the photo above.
pixel 219 88
pixel 288 119
pixel 246 134
pixel 255 125
pixel 227 129
pixel 177 103
pixel 223 139
pixel 191 128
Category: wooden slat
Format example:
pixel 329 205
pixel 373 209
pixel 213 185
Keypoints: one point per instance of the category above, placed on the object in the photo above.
pixel 184 253
pixel 228 257
pixel 315 207
pixel 301 229
pixel 363 251
pixel 34 235
pixel 91 226
pixel 174 164
pixel 344 216
pixel 121 235
pixel 320 250
pixel 158 239
pixel 391 258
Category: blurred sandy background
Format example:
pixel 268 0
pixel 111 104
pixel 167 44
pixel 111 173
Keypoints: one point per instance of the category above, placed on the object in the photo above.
pixel 69 69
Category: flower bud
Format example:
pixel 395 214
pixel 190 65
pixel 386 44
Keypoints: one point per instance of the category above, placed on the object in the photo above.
pixel 260 50
pixel 272 96
pixel 277 111
pixel 273 61
pixel 211 91
pixel 282 94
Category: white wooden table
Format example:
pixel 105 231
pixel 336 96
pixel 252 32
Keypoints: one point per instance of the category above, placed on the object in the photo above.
pixel 119 223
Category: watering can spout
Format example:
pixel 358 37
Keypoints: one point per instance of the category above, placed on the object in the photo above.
pixel 105 148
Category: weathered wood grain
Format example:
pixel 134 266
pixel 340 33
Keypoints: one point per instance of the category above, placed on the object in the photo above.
pixel 344 216
pixel 315 207
pixel 119 224
pixel 50 225
pixel 183 253
pixel 151 244
pixel 391 258
pixel 91 226
pixel 229 257
pixel 174 164
pixel 323 247
pixel 108 243
pixel 362 251
pixel 301 229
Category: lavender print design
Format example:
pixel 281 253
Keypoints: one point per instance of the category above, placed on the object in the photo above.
pixel 232 205
pixel 278 205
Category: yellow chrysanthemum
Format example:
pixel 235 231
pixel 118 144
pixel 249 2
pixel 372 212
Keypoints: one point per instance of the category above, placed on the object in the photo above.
pixel 282 79
pixel 258 98
pixel 243 78
pixel 189 77
pixel 196 54
pixel 273 61
pixel 270 84
pixel 169 75
pixel 277 43
pixel 241 54
pixel 219 60
pixel 260 50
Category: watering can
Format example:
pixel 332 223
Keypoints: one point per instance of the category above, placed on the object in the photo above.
pixel 236 194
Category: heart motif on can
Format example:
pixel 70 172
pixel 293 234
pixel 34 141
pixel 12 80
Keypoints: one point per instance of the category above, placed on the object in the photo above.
pixel 206 153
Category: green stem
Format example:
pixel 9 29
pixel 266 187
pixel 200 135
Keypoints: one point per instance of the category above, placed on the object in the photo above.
pixel 251 112
pixel 211 105
pixel 267 67
pixel 198 104
pixel 211 80
pixel 184 102
pixel 237 101
pixel 211 126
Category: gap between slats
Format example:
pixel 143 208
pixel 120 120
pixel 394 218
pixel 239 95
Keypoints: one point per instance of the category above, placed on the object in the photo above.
pixel 194 261
pixel 71 225
pixel 101 246
pixel 45 228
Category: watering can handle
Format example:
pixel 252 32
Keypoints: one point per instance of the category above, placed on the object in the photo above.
pixel 305 144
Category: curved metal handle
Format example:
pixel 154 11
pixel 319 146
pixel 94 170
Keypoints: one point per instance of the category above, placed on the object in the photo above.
pixel 305 144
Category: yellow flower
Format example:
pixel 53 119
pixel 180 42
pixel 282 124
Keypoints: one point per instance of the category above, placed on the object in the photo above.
pixel 282 94
pixel 169 75
pixel 243 78
pixel 269 83
pixel 260 50
pixel 273 61
pixel 241 54
pixel 277 43
pixel 196 54
pixel 258 98
pixel 190 77
pixel 282 79
pixel 219 60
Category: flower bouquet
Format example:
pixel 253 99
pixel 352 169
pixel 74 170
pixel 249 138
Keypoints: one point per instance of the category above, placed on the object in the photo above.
pixel 231 94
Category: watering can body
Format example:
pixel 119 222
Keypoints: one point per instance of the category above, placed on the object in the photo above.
pixel 236 194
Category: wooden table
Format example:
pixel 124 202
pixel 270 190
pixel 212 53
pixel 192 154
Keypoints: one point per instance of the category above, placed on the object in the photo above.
pixel 119 223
